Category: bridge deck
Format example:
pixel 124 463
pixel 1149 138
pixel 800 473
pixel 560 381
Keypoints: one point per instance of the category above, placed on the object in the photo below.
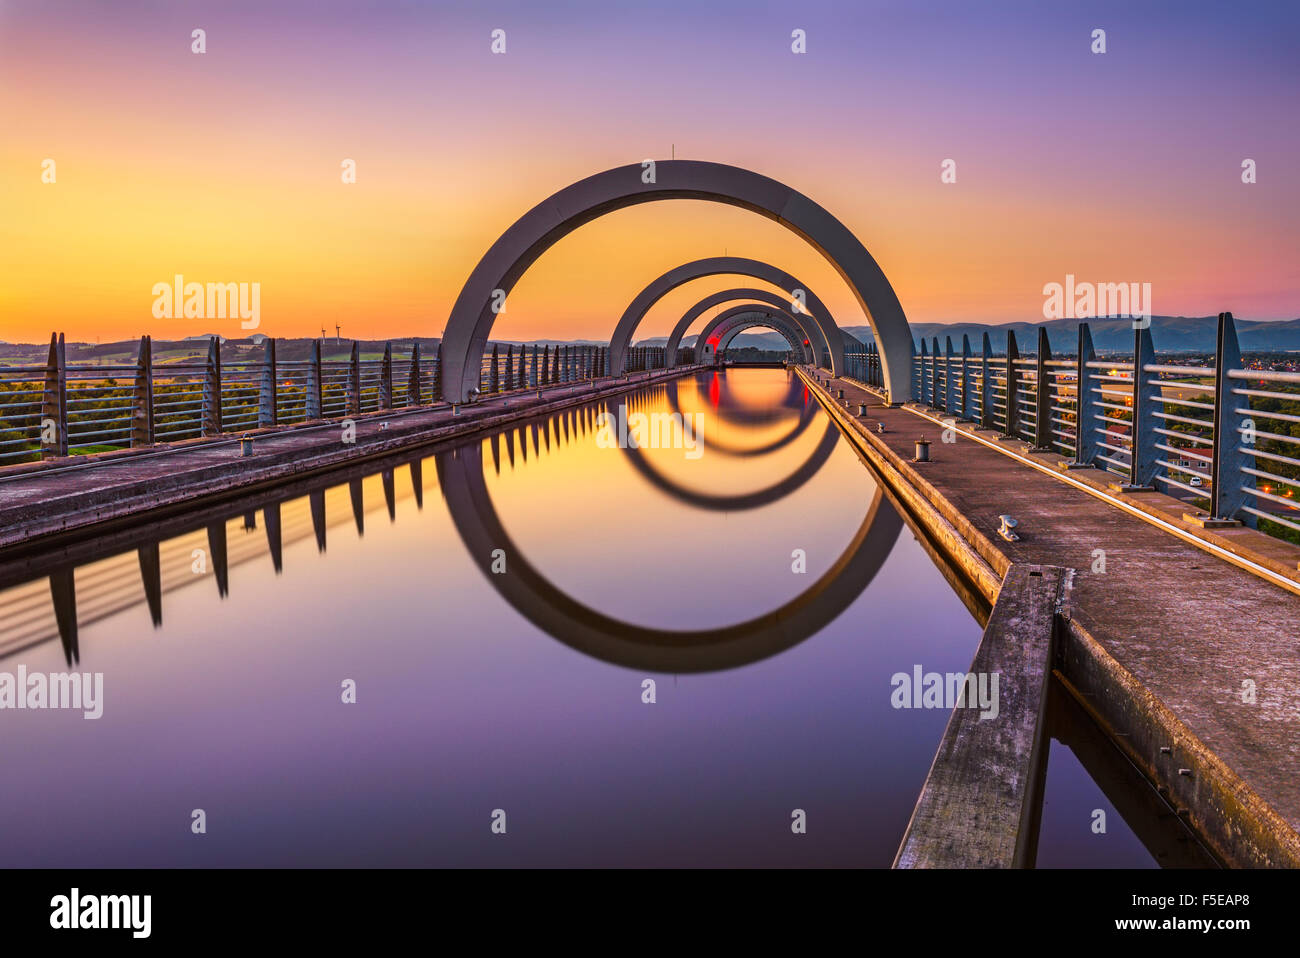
pixel 1189 627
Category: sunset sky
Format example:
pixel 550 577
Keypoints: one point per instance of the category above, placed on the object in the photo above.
pixel 225 166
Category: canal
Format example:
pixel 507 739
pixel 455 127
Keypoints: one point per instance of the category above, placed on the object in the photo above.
pixel 655 631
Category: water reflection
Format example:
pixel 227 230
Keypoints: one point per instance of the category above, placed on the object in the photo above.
pixel 460 473
pixel 786 410
pixel 483 689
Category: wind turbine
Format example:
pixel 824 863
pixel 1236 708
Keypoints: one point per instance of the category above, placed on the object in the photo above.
pixel 337 330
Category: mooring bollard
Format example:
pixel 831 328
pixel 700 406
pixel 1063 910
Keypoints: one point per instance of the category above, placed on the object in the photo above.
pixel 922 450
pixel 246 445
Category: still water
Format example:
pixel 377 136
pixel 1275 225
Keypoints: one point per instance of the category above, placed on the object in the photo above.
pixel 506 610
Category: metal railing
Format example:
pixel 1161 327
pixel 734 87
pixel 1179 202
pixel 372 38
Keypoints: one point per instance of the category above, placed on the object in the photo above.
pixel 1193 432
pixel 863 365
pixel 63 408
pixel 60 408
pixel 517 368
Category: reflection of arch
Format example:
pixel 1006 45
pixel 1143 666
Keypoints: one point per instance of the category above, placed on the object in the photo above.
pixel 807 410
pixel 727 295
pixel 746 316
pixel 825 336
pixel 748 500
pixel 541 227
pixel 460 475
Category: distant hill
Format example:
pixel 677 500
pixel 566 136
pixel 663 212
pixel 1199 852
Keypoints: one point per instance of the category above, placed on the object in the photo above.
pixel 1185 334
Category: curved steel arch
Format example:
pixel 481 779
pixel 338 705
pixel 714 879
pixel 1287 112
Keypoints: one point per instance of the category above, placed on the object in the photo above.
pixel 828 341
pixel 748 315
pixel 741 325
pixel 727 317
pixel 603 637
pixel 735 329
pixel 813 335
pixel 484 292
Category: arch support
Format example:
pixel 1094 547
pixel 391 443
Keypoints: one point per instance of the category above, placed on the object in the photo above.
pixel 811 331
pixel 488 286
pixel 745 316
pixel 792 339
pixel 827 340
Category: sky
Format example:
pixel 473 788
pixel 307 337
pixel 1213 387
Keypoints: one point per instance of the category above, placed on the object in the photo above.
pixel 226 166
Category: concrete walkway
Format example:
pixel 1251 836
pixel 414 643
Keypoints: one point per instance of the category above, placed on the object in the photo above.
pixel 1165 637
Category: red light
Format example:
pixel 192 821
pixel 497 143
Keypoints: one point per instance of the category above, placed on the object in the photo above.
pixel 806 343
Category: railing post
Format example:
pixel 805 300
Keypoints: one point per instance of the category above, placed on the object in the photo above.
pixel 354 379
pixel 211 422
pixel 494 371
pixel 386 378
pixel 1085 403
pixel 315 384
pixel 414 388
pixel 1227 493
pixel 949 400
pixel 988 415
pixel 934 375
pixel 1013 388
pixel 555 366
pixel 925 387
pixel 269 395
pixel 1146 396
pixel 532 369
pixel 1043 395
pixel 54 401
pixel 965 378
pixel 142 396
